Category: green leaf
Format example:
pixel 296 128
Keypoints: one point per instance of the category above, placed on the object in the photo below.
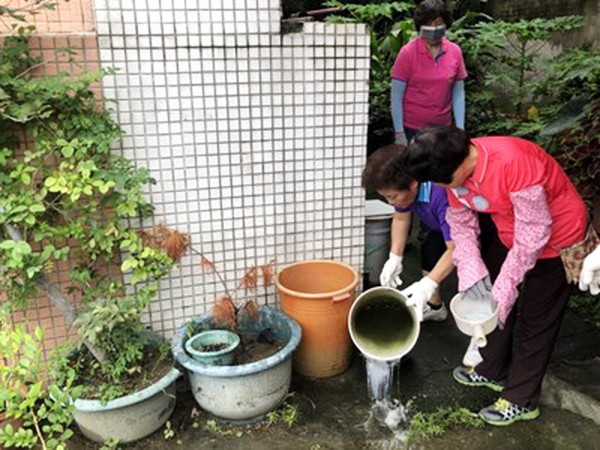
pixel 7 245
pixel 129 263
pixel 37 208
pixel 35 390
pixel 67 151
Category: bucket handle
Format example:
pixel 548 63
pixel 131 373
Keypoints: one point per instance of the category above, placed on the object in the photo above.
pixel 341 297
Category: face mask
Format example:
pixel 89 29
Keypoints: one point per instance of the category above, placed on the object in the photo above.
pixel 433 34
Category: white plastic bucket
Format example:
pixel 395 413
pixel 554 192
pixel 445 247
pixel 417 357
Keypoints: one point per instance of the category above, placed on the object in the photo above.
pixel 378 224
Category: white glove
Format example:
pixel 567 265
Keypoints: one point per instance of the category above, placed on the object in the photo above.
pixel 590 273
pixel 480 290
pixel 419 293
pixel 390 274
pixel 401 139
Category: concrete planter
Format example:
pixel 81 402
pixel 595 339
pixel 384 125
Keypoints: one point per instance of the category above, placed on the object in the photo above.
pixel 244 392
pixel 130 417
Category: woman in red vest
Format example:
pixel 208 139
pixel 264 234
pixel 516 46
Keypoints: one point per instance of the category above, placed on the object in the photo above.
pixel 538 213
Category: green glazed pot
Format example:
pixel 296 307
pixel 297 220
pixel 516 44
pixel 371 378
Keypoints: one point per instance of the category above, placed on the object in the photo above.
pixel 222 357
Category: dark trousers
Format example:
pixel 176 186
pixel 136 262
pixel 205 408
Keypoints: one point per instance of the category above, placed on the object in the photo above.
pixel 539 309
pixel 433 246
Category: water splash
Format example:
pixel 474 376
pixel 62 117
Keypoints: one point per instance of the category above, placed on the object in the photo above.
pixel 387 411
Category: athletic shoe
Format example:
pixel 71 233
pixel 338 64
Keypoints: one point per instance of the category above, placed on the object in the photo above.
pixel 503 412
pixel 469 377
pixel 435 315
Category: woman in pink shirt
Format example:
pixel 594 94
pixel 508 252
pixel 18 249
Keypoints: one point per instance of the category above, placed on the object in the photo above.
pixel 428 76
pixel 537 212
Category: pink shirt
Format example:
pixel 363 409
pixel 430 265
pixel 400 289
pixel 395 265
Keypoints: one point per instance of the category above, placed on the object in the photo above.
pixel 532 202
pixel 429 81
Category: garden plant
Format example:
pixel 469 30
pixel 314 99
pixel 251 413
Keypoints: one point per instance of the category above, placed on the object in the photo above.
pixel 232 308
pixel 66 202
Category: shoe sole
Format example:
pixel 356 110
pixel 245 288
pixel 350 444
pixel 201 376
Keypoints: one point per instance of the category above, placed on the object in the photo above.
pixel 492 386
pixel 435 319
pixel 501 423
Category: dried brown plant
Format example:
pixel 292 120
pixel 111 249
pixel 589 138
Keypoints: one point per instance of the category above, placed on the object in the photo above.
pixel 268 272
pixel 225 310
pixel 251 309
pixel 224 313
pixel 174 243
pixel 250 279
pixel 206 265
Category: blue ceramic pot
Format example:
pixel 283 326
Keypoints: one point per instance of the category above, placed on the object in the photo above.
pixel 225 356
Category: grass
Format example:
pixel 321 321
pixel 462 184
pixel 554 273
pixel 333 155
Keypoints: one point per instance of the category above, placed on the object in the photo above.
pixel 424 426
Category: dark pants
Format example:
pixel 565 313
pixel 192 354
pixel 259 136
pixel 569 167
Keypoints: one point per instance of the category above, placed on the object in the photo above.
pixel 541 306
pixel 433 246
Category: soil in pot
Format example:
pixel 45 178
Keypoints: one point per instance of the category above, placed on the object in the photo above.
pixel 257 347
pixel 212 347
pixel 254 346
pixel 155 365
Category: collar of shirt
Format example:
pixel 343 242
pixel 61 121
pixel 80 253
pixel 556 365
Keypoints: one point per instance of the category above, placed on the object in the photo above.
pixel 422 45
pixel 482 164
pixel 424 194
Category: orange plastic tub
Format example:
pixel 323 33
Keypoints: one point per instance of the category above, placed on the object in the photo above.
pixel 318 295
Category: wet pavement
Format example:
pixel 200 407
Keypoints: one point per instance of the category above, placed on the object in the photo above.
pixel 334 413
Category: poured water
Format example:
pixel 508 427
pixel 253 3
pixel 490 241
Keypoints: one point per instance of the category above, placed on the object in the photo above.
pixel 388 412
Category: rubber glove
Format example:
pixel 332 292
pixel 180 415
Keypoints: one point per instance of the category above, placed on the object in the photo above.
pixel 401 139
pixel 590 273
pixel 480 290
pixel 390 274
pixel 419 293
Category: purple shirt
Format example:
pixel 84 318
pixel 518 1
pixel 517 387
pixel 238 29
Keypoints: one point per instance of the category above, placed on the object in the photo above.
pixel 433 212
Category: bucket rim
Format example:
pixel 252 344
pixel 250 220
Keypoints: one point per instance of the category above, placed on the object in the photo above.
pixel 379 217
pixel 319 295
pixel 396 293
pixel 457 316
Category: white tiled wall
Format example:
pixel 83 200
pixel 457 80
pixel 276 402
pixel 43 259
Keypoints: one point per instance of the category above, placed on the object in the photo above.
pixel 256 139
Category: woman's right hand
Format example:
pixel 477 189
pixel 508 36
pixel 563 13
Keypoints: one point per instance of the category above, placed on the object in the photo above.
pixel 480 290
pixel 390 273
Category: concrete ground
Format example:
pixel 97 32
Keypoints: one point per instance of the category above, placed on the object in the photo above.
pixel 335 412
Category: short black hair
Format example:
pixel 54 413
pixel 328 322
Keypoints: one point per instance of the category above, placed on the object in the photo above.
pixel 435 153
pixel 429 10
pixel 384 170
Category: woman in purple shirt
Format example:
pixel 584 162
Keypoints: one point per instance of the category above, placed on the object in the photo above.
pixel 384 174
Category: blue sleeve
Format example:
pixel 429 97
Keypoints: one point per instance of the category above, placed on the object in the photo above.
pixel 397 97
pixel 458 103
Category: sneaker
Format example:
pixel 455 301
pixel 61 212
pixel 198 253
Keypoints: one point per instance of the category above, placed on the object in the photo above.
pixel 503 412
pixel 436 315
pixel 467 376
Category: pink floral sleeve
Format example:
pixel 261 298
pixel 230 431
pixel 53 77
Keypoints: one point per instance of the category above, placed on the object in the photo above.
pixel 464 229
pixel 533 225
